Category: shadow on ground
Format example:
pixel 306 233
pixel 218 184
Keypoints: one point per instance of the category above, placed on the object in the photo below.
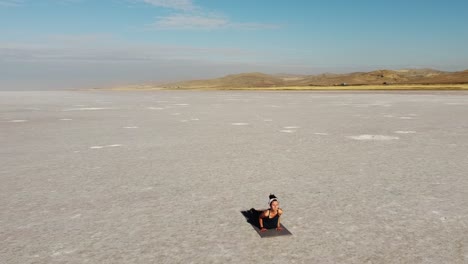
pixel 251 216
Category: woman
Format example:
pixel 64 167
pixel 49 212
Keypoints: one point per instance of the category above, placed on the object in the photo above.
pixel 270 218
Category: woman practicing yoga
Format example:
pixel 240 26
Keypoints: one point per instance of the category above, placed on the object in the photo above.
pixel 270 218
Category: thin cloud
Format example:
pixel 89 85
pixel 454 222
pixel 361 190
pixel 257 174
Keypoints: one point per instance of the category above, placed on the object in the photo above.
pixel 80 39
pixel 20 3
pixel 103 48
pixel 69 1
pixel 253 26
pixel 10 3
pixel 184 21
pixel 204 22
pixel 184 5
pixel 193 17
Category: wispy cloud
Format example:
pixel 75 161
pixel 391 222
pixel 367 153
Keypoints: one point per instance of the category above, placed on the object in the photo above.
pixel 69 1
pixel 10 3
pixel 18 3
pixel 184 5
pixel 187 21
pixel 193 17
pixel 204 22
pixel 102 48
pixel 253 26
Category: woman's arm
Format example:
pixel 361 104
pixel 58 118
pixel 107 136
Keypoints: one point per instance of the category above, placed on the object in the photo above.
pixel 260 221
pixel 280 212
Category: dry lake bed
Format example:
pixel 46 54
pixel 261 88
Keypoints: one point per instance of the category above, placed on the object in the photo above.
pixel 161 177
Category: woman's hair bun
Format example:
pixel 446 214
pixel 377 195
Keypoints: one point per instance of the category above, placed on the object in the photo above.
pixel 272 198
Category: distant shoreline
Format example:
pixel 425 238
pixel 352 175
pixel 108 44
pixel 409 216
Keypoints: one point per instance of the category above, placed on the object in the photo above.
pixel 392 87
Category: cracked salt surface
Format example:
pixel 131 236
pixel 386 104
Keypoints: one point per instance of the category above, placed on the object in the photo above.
pixel 155 108
pixel 405 132
pixel 96 147
pixel 239 124
pixel 373 137
pixel 455 103
pixel 75 216
pixel 377 184
pixel 86 109
pixel 107 146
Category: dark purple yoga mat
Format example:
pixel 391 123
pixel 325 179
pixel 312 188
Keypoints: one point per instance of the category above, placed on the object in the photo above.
pixel 252 218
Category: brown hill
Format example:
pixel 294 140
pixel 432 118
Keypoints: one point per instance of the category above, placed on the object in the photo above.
pixel 446 78
pixel 373 77
pixel 378 77
pixel 233 81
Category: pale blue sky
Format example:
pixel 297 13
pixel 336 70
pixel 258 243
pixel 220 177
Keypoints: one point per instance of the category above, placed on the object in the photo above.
pixel 48 44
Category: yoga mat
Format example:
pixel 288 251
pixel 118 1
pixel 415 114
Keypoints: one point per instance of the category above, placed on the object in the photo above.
pixel 252 218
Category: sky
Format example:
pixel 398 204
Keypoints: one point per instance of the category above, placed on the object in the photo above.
pixel 63 44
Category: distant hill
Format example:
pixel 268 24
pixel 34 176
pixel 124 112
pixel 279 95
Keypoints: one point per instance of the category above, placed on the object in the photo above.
pixel 373 77
pixel 254 79
pixel 378 77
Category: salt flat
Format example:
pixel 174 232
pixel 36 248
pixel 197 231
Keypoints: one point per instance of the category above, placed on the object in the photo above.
pixel 161 177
